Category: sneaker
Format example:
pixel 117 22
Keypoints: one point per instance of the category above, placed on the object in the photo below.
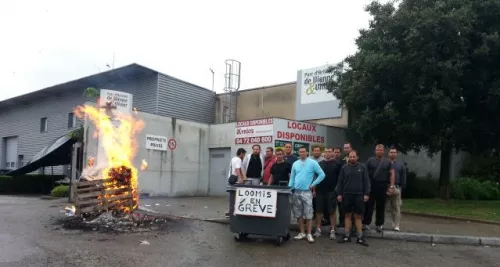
pixel 332 235
pixel 317 232
pixel 310 238
pixel 345 239
pixel 379 228
pixel 362 242
pixel 366 227
pixel 396 228
pixel 300 236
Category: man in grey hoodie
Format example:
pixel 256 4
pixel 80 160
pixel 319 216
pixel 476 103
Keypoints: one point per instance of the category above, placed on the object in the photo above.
pixel 353 190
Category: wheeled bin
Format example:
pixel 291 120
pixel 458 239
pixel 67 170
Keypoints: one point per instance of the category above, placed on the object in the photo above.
pixel 260 210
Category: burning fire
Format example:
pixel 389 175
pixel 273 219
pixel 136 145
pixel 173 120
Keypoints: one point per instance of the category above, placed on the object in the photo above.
pixel 118 134
pixel 144 165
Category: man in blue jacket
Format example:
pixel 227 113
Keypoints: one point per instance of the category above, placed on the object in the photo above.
pixel 302 184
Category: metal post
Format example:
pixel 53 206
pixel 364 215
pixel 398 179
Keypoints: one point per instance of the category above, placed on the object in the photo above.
pixel 213 78
pixel 74 168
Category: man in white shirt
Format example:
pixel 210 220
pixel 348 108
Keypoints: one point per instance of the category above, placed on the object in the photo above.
pixel 235 174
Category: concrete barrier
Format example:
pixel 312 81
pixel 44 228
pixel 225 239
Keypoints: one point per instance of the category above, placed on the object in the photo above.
pixel 456 239
pixel 413 237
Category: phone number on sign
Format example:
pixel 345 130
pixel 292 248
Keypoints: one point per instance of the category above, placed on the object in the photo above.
pixel 254 140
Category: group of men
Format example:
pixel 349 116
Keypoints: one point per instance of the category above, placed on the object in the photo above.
pixel 325 181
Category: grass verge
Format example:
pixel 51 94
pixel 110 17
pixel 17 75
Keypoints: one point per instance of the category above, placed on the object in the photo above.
pixel 480 210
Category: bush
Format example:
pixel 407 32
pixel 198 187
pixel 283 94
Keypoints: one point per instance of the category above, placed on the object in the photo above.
pixel 467 188
pixel 28 184
pixel 60 191
pixel 420 187
pixel 483 168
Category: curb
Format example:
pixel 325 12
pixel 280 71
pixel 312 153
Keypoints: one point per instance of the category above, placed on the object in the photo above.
pixel 50 197
pixel 402 236
pixel 435 216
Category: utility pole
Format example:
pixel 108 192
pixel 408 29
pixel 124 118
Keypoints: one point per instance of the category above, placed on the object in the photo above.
pixel 213 78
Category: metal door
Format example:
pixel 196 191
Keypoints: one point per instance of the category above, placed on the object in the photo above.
pixel 11 153
pixel 219 168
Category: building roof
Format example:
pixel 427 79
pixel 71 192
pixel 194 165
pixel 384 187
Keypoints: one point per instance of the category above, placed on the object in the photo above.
pixel 263 87
pixel 124 73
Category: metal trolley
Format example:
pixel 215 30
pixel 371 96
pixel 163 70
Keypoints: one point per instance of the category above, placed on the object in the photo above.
pixel 257 224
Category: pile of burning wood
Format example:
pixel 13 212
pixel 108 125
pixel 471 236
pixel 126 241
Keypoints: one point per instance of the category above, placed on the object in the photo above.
pixel 113 193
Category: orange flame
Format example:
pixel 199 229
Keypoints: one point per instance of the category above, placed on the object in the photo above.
pixel 144 165
pixel 119 141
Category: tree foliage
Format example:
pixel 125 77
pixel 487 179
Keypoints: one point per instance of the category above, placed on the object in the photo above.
pixel 426 75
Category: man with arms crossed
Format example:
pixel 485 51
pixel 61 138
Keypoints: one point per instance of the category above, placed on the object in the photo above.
pixel 326 201
pixel 235 170
pixel 381 174
pixel 268 164
pixel 399 185
pixel 280 171
pixel 253 165
pixel 302 184
pixel 353 189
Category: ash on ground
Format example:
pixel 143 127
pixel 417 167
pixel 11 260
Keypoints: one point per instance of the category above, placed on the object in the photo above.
pixel 138 220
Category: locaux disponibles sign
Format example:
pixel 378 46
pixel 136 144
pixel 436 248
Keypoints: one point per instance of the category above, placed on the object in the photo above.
pixel 313 85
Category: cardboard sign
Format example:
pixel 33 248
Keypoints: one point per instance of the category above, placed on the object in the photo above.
pixel 256 202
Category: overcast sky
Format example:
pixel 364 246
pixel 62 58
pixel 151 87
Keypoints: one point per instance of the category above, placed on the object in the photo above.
pixel 50 42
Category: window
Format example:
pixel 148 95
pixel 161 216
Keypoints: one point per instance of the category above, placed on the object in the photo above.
pixel 43 125
pixel 71 120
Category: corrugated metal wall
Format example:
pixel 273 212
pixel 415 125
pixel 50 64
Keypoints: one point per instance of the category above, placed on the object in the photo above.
pixel 24 120
pixel 185 101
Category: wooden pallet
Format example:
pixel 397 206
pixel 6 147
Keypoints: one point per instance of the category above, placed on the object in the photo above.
pixel 95 196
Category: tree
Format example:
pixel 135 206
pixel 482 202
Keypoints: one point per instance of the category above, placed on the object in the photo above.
pixel 426 76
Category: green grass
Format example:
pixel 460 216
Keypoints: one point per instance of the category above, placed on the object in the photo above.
pixel 481 210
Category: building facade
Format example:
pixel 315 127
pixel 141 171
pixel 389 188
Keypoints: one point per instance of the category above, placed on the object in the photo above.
pixel 30 122
pixel 278 101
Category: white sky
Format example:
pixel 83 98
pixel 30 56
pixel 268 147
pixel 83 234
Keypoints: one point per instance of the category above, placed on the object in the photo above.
pixel 54 41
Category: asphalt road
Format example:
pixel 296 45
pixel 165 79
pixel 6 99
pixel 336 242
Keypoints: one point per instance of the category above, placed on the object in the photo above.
pixel 30 238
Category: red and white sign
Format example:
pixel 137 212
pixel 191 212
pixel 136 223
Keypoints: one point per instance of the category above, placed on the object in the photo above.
pixel 172 144
pixel 254 131
pixel 254 140
pixel 299 131
pixel 254 122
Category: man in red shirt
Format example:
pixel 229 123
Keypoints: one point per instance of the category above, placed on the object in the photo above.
pixel 268 163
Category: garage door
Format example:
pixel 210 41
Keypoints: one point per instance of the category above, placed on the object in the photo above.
pixel 11 153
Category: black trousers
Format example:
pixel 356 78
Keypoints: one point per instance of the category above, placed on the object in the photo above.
pixel 341 214
pixel 377 200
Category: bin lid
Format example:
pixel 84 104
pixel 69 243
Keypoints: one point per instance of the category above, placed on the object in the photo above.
pixel 280 189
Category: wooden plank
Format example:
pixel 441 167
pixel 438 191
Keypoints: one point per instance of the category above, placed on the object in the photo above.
pixel 102 200
pixel 102 192
pixel 94 182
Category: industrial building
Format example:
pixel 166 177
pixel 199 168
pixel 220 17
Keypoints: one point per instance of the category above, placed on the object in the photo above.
pixel 203 123
pixel 32 121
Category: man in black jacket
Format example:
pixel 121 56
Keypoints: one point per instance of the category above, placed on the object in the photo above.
pixel 326 202
pixel 343 160
pixel 353 190
pixel 381 172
